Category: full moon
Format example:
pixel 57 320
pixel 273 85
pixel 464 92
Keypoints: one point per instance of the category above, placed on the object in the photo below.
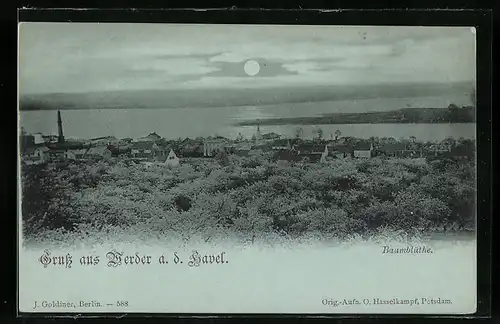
pixel 251 68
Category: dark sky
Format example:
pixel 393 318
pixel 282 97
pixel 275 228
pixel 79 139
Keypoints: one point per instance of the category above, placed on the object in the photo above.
pixel 85 57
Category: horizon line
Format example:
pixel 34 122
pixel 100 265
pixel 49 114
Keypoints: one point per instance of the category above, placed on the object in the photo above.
pixel 315 86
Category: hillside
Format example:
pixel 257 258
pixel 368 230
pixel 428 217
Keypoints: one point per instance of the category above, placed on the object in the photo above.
pixel 181 98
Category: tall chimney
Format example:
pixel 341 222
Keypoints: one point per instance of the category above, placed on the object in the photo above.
pixel 258 135
pixel 60 138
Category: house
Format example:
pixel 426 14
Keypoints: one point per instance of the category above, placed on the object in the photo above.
pixel 393 149
pixel 172 159
pixel 286 156
pixel 342 140
pixel 261 147
pixel 190 148
pixel 38 138
pixel 440 148
pixel 160 153
pixel 363 150
pixel 46 138
pixel 241 152
pixel 193 154
pixel 147 150
pixel 229 148
pixel 242 149
pixel 281 144
pixel 342 151
pixel 243 146
pixel 151 137
pixel 103 141
pixel 312 158
pixel 211 147
pixel 462 152
pixel 313 152
pixel 309 154
pixel 296 141
pixel 57 154
pixel 75 154
pixel 255 152
pixel 400 150
pixel 100 152
pixel 413 154
pixel 311 148
pixel 69 155
pixel 38 154
pixel 436 154
pixel 26 141
pixel 271 136
pixel 120 148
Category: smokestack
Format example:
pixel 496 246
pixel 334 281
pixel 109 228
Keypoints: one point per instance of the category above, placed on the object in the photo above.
pixel 60 138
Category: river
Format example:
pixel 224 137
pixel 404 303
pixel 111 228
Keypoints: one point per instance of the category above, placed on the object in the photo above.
pixel 194 122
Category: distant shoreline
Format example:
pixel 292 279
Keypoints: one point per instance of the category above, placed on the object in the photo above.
pixel 305 121
pixel 457 115
pixel 228 97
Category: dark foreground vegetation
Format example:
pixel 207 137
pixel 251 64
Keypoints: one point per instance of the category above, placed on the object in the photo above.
pixel 249 196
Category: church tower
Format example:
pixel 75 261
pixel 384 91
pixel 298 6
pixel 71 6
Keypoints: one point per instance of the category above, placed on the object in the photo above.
pixel 60 138
pixel 258 136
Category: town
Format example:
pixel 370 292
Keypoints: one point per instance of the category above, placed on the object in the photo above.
pixel 39 149
pixel 331 184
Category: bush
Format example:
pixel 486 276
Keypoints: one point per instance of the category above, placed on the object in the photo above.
pixel 183 203
pixel 222 158
pixel 250 196
pixel 379 214
pixel 418 210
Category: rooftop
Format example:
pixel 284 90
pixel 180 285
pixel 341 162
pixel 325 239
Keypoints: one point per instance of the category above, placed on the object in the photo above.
pixel 215 141
pixel 242 152
pixel 97 150
pixel 143 145
pixel 362 146
pixel 101 138
pixel 313 158
pixel 271 135
pixel 281 142
pixel 286 155
pixel 343 148
pixel 79 151
pixel 393 147
pixel 32 149
pixel 311 148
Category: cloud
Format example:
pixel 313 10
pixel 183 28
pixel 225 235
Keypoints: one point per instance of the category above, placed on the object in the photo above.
pixel 376 35
pixel 174 67
pixel 92 57
pixel 305 50
pixel 268 68
pixel 201 56
pixel 304 66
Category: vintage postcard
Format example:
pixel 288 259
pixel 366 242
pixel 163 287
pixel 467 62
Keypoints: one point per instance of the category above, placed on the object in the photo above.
pixel 189 168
